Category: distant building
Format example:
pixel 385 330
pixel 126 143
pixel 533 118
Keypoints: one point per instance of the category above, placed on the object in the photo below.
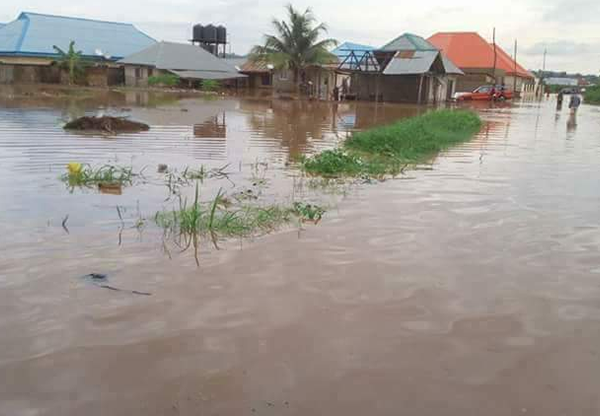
pixel 188 62
pixel 407 69
pixel 27 46
pixel 475 57
pixel 563 82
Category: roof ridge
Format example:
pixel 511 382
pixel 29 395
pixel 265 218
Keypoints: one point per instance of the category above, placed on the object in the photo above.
pixel 22 14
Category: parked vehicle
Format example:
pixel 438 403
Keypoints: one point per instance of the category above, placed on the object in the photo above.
pixel 570 90
pixel 486 93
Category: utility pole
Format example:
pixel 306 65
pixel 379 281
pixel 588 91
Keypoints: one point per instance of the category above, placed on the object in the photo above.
pixel 515 73
pixel 495 55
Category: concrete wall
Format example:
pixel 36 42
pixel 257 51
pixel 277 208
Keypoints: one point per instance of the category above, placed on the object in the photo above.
pixel 13 73
pixel 20 74
pixel 476 77
pixel 137 76
pixel 404 88
pixel 256 80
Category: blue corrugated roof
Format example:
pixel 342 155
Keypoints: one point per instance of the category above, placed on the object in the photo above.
pixel 34 34
pixel 343 50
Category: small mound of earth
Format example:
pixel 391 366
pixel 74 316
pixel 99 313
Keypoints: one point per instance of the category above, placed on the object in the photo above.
pixel 106 124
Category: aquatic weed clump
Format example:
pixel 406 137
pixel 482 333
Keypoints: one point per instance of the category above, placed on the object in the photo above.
pixel 84 175
pixel 220 218
pixel 385 150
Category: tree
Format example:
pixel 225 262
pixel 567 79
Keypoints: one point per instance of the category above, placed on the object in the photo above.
pixel 72 61
pixel 296 44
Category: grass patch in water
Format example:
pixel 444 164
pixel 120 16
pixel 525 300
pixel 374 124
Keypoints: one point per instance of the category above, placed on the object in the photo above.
pixel 219 218
pixel 383 150
pixel 84 175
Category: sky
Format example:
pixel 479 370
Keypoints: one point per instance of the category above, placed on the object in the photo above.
pixel 568 29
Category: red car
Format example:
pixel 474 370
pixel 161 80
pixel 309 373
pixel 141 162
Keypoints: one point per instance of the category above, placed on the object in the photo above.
pixel 486 93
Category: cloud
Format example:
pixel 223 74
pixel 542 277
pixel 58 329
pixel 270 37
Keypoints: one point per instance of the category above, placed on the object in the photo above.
pixel 564 48
pixel 574 11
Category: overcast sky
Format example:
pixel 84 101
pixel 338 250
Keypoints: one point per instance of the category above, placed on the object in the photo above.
pixel 567 28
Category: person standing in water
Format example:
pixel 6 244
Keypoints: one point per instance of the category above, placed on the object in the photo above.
pixel 574 103
pixel 559 100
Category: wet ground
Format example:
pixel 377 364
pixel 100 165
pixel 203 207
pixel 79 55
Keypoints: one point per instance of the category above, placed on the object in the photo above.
pixel 468 287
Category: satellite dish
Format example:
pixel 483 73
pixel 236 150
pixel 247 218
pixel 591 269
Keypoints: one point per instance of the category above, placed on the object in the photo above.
pixel 270 67
pixel 107 56
pixel 98 52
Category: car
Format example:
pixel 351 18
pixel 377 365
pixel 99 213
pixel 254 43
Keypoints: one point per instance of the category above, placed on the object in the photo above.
pixel 486 93
pixel 570 90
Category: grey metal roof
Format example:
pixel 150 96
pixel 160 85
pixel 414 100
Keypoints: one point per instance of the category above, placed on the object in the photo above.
pixel 180 57
pixel 34 34
pixel 450 67
pixel 419 63
pixel 206 74
pixel 237 62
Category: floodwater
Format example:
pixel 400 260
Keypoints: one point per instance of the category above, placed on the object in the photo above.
pixel 467 287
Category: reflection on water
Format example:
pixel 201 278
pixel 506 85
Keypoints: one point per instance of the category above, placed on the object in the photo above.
pixel 215 128
pixel 470 289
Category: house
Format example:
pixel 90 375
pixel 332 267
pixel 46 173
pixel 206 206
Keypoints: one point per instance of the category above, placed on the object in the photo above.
pixel 317 81
pixel 407 69
pixel 186 61
pixel 27 49
pixel 260 74
pixel 563 82
pixel 475 57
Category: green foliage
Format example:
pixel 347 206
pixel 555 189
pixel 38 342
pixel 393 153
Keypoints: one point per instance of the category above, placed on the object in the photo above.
pixel 592 95
pixel 72 61
pixel 417 138
pixel 210 85
pixel 108 175
pixel 296 43
pixel 383 150
pixel 333 163
pixel 308 212
pixel 217 218
pixel 163 80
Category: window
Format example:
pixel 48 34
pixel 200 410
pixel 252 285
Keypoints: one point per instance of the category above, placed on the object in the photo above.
pixel 283 75
pixel 150 72
pixel 266 79
pixel 138 72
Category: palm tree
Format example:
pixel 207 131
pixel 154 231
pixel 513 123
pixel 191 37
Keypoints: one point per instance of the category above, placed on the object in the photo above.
pixel 72 61
pixel 296 44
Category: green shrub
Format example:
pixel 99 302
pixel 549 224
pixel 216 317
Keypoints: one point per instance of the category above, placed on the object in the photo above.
pixel 210 85
pixel 592 95
pixel 164 80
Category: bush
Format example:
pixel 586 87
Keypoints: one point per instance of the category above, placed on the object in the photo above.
pixel 164 80
pixel 210 85
pixel 592 95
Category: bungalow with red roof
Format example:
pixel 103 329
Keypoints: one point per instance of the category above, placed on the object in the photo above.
pixel 475 57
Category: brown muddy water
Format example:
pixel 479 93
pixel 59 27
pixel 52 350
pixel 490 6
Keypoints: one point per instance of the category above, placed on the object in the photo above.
pixel 468 287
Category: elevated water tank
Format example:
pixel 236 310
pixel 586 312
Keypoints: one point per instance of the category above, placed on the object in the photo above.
pixel 221 34
pixel 209 34
pixel 198 32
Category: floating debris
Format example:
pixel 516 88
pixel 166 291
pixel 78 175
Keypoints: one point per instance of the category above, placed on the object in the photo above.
pixel 107 124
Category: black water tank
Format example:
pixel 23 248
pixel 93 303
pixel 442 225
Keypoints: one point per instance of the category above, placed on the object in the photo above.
pixel 221 34
pixel 198 32
pixel 210 33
